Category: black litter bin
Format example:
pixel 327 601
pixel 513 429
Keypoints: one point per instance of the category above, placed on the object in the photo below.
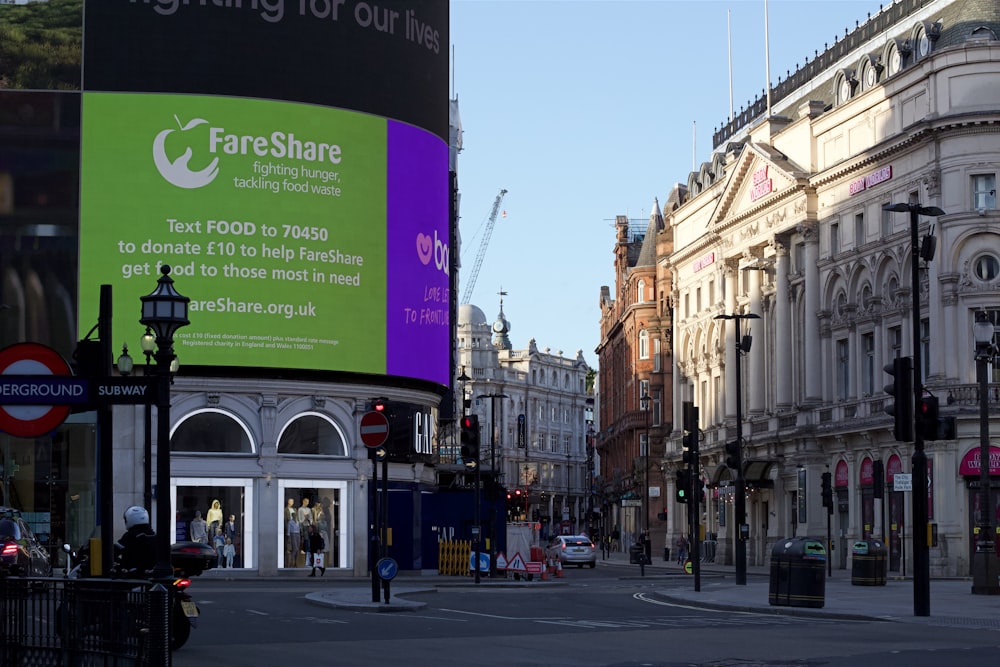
pixel 868 563
pixel 666 554
pixel 798 577
pixel 637 554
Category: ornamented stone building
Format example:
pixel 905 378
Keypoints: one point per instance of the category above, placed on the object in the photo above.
pixel 787 221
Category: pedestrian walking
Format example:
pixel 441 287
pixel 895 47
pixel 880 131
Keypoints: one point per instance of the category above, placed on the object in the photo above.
pixel 316 546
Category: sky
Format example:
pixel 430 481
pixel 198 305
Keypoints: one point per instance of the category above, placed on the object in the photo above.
pixel 588 109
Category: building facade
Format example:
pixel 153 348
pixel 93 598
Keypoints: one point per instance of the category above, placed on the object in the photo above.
pixel 636 387
pixel 787 221
pixel 535 408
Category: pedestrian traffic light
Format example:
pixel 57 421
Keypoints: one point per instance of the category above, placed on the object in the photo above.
pixel 928 418
pixel 827 492
pixel 733 455
pixel 901 390
pixel 683 485
pixel 470 438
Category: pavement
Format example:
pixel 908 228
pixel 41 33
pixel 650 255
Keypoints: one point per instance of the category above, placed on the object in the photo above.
pixel 951 600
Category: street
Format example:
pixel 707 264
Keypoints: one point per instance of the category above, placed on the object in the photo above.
pixel 603 617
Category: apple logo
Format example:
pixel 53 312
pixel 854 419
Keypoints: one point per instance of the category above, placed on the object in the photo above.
pixel 177 172
pixel 424 248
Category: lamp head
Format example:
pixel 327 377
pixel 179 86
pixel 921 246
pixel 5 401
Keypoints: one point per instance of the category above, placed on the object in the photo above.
pixel 165 310
pixel 982 330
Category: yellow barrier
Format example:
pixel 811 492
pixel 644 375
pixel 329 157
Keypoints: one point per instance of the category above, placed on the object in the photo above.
pixel 453 557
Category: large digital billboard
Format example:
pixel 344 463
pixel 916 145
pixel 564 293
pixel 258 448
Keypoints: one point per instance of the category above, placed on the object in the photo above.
pixel 288 159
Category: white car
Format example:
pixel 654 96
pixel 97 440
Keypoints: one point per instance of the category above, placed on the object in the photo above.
pixel 576 550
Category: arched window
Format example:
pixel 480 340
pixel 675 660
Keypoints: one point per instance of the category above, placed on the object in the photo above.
pixel 644 344
pixel 314 434
pixel 640 291
pixel 211 431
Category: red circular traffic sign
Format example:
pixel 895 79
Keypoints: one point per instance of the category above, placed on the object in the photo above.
pixel 374 429
pixel 31 421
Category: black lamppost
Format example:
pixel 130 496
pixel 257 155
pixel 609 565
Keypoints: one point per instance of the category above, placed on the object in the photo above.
pixel 985 569
pixel 148 344
pixel 742 529
pixel 921 550
pixel 644 404
pixel 164 311
pixel 496 479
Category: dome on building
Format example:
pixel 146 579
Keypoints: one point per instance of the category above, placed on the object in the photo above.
pixel 470 314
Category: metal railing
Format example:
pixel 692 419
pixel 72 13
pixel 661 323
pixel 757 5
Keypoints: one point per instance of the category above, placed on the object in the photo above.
pixel 54 621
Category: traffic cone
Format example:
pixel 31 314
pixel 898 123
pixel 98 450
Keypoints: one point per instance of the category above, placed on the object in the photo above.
pixel 559 568
pixel 545 573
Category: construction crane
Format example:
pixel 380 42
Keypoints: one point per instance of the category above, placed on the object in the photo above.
pixel 467 296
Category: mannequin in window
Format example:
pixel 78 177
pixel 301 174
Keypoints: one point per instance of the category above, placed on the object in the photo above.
pixel 293 536
pixel 199 529
pixel 214 517
pixel 305 515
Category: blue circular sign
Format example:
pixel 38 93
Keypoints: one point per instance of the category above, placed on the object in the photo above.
pixel 387 569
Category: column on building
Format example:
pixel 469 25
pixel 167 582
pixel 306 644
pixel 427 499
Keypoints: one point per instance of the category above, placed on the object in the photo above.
pixel 783 329
pixel 756 377
pixel 812 354
pixel 728 342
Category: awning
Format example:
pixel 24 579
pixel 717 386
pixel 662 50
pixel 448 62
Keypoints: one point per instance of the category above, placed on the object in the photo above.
pixel 755 473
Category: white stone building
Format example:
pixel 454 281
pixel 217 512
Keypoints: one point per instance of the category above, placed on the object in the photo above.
pixel 533 407
pixel 786 221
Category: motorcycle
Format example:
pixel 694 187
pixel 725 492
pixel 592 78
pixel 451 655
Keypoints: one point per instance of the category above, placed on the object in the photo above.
pixel 188 559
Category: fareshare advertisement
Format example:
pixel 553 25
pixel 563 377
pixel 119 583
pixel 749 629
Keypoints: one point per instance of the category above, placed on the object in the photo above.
pixel 305 236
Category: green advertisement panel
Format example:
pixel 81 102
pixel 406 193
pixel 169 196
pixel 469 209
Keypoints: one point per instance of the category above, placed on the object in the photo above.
pixel 271 215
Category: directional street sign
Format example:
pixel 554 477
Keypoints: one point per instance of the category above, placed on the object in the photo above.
pixel 374 429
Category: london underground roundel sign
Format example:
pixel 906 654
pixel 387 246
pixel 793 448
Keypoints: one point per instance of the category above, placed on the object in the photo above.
pixel 31 420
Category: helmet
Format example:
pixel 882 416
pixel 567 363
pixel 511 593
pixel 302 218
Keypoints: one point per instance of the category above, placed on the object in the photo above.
pixel 136 516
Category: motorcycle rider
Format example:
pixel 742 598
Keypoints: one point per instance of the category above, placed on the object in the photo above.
pixel 138 544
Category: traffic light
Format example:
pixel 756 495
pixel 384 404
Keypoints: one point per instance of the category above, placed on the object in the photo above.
pixel 690 453
pixel 901 389
pixel 470 438
pixel 827 492
pixel 928 417
pixel 683 485
pixel 733 455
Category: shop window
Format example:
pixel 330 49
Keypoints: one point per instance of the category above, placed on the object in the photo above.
pixel 211 431
pixel 216 512
pixel 317 505
pixel 312 434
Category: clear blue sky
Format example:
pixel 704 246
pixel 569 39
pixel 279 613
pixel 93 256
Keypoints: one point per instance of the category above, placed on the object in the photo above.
pixel 586 109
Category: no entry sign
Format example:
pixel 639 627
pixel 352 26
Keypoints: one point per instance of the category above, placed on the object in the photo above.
pixel 374 429
pixel 53 381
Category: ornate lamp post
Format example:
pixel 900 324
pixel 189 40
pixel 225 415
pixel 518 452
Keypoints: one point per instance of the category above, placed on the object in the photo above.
pixel 921 550
pixel 164 311
pixel 985 570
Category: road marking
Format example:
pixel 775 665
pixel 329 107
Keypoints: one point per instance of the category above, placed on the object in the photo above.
pixel 440 618
pixel 259 613
pixel 663 603
pixel 501 618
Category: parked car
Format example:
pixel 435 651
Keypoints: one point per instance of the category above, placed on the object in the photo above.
pixel 21 553
pixel 576 550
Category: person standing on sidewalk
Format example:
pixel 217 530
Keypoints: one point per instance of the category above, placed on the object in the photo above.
pixel 681 544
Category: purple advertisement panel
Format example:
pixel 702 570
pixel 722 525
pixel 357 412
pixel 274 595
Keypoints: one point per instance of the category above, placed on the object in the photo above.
pixel 417 254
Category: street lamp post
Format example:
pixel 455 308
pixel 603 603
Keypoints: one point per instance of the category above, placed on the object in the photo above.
pixel 496 480
pixel 921 550
pixel 164 311
pixel 644 404
pixel 985 569
pixel 742 529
